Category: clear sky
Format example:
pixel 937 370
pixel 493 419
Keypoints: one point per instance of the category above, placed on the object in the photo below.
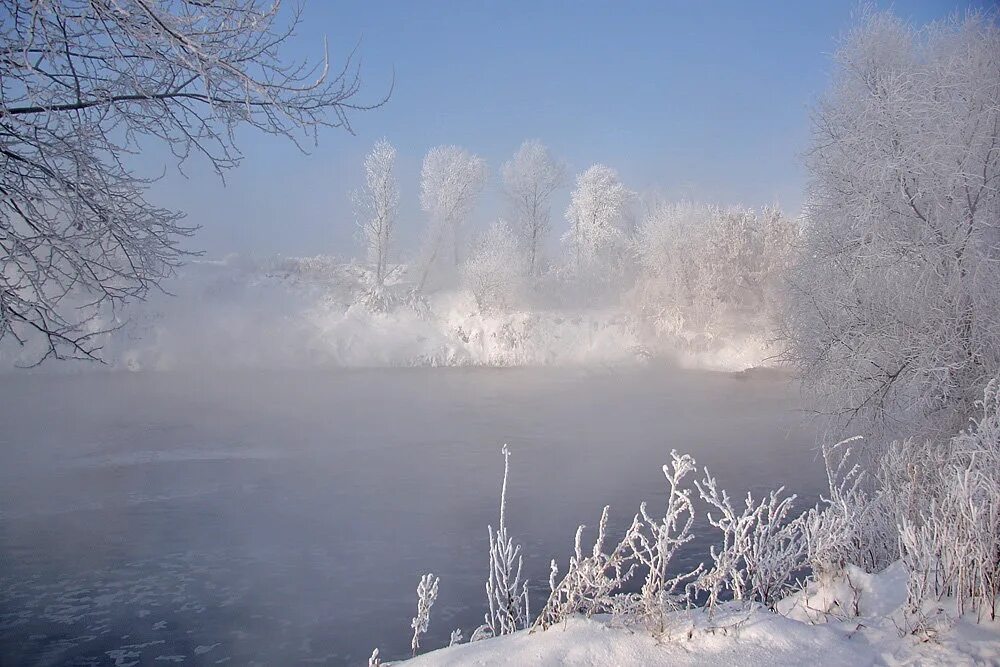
pixel 703 100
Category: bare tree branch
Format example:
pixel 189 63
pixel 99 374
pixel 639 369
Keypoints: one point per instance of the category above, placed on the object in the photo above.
pixel 84 84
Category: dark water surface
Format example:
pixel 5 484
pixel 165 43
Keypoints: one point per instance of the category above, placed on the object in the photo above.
pixel 285 517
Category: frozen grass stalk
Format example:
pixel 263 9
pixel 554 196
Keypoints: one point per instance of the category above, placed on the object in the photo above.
pixel 427 591
pixel 506 594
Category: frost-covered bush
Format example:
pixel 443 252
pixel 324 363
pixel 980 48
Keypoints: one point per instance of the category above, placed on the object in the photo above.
pixel 949 514
pixel 591 581
pixel 854 524
pixel 934 505
pixel 594 583
pixel 494 271
pixel 761 549
pixel 655 540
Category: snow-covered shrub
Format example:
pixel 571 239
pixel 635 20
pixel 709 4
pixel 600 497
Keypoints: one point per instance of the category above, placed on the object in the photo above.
pixel 427 591
pixel 594 583
pixel 494 271
pixel 655 542
pixel 934 505
pixel 949 524
pixel 762 546
pixel 380 295
pixel 591 581
pixel 506 593
pixel 854 524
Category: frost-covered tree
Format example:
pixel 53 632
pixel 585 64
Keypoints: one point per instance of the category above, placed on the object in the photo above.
pixel 676 281
pixel 376 203
pixel 596 215
pixel 749 251
pixel 493 272
pixel 702 264
pixel 894 310
pixel 84 85
pixel 529 180
pixel 451 181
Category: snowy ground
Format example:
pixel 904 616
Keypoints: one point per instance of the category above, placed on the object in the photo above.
pixel 735 636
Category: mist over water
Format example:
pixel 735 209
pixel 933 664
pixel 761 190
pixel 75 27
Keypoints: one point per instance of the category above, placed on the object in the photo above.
pixel 285 517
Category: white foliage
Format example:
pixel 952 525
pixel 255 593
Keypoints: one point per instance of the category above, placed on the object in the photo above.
pixel 529 180
pixel 427 591
pixel 678 283
pixel 376 204
pixel 591 581
pixel 597 215
pixel 892 313
pixel 934 505
pixel 87 85
pixel 493 272
pixel 451 180
pixel 854 524
pixel 703 264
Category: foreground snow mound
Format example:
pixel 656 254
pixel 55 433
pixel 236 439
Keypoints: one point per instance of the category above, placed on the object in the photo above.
pixel 853 619
pixel 873 608
pixel 732 637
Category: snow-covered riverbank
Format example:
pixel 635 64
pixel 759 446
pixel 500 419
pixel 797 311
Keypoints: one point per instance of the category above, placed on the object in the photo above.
pixel 310 313
pixel 814 627
pixel 897 564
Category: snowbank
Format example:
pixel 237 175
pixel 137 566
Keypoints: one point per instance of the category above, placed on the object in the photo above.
pixel 817 626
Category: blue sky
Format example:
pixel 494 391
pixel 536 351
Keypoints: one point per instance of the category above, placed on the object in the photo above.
pixel 703 100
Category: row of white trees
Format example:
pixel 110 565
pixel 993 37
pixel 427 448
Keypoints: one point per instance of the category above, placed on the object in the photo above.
pixel 692 263
pixel 451 182
pixel 888 296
